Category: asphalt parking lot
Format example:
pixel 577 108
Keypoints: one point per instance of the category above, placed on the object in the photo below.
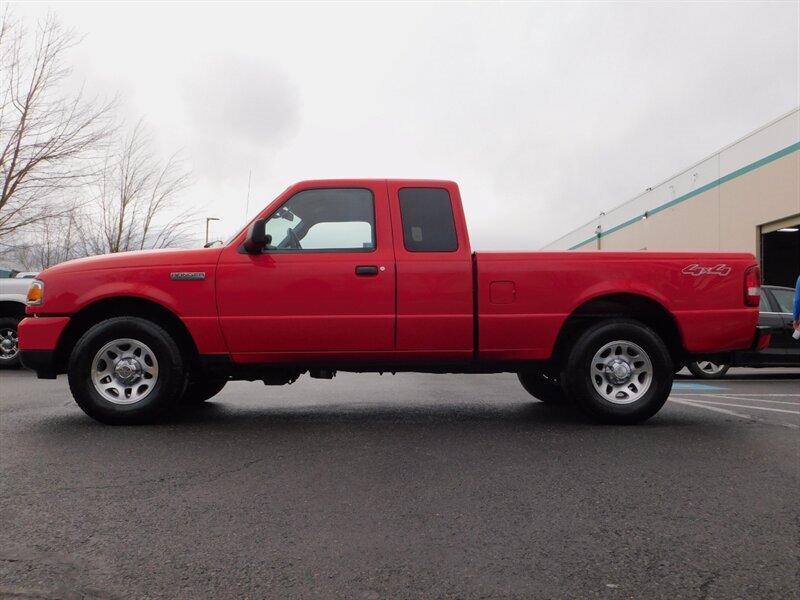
pixel 413 486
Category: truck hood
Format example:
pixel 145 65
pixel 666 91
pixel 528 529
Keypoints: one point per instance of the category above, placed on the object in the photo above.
pixel 140 258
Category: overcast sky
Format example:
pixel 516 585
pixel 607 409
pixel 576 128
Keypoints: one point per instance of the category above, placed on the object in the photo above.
pixel 545 113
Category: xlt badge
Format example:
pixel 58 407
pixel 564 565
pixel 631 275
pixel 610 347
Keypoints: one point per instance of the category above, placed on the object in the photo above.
pixel 187 276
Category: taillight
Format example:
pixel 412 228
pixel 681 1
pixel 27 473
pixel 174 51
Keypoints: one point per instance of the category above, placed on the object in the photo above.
pixel 752 286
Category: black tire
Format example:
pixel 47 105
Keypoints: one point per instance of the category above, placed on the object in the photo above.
pixel 198 392
pixel 707 369
pixel 9 343
pixel 157 398
pixel 542 387
pixel 619 401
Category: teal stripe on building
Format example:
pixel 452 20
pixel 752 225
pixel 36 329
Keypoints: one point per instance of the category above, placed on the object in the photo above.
pixel 738 173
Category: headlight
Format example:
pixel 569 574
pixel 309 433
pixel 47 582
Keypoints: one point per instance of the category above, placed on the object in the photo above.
pixel 35 293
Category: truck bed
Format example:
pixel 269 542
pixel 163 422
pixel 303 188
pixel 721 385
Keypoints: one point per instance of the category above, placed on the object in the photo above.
pixel 524 298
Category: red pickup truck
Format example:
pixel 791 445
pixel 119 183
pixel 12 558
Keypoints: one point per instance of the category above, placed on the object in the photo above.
pixel 378 275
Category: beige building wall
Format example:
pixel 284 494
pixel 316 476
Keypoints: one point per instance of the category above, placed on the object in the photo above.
pixel 726 217
pixel 719 204
pixel 768 194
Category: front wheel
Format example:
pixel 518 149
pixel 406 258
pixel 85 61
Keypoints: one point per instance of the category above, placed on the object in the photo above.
pixel 706 369
pixel 619 372
pixel 126 370
pixel 9 343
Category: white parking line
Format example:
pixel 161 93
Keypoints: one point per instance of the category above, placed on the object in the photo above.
pixel 780 410
pixel 740 399
pixel 738 394
pixel 712 408
pixel 692 403
pixel 759 395
pixel 737 380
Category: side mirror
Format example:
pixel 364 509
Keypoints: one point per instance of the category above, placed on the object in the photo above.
pixel 257 237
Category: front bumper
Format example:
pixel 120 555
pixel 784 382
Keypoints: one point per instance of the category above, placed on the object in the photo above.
pixel 41 361
pixel 38 341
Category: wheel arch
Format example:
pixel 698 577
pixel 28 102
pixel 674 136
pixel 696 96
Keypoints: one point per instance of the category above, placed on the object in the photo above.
pixel 11 308
pixel 626 305
pixel 124 306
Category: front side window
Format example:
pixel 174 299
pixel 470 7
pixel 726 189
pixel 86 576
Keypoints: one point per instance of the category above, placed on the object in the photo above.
pixel 428 224
pixel 325 219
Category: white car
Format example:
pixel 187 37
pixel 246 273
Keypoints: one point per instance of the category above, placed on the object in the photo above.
pixel 13 291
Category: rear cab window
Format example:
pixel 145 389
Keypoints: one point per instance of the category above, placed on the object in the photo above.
pixel 428 222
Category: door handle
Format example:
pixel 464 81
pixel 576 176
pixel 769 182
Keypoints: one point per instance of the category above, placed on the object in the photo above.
pixel 366 270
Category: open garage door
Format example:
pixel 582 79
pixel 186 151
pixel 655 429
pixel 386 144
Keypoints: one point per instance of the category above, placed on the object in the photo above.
pixel 780 252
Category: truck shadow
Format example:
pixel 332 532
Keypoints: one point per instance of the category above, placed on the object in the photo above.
pixel 216 412
pixel 518 415
pixel 232 417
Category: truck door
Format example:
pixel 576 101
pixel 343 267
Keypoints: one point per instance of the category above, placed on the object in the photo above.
pixel 325 285
pixel 434 272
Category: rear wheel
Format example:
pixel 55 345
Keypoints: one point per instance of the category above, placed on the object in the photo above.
pixel 619 372
pixel 9 343
pixel 199 391
pixel 706 369
pixel 542 387
pixel 126 370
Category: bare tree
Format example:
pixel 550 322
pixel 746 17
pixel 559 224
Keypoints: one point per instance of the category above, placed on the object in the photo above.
pixel 47 243
pixel 49 142
pixel 135 206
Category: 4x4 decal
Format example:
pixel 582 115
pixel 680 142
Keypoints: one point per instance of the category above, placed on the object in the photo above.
pixel 696 270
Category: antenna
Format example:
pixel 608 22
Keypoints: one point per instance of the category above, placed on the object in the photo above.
pixel 247 205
